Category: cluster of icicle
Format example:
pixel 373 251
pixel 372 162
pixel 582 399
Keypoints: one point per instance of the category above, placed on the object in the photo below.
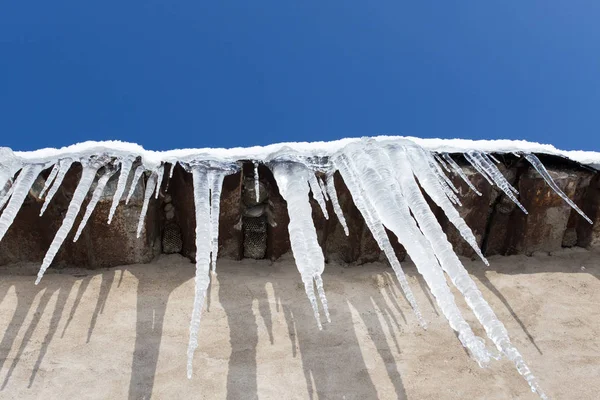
pixel 385 179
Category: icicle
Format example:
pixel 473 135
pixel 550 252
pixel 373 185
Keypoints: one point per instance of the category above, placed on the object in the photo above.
pixel 354 182
pixel 94 200
pixel 6 196
pixel 215 183
pixel 460 278
pixel 136 177
pixel 391 205
pixel 20 189
pixel 431 185
pixel 449 189
pixel 323 190
pixel 491 156
pixel 330 190
pixel 478 168
pixel 315 188
pixel 321 291
pixel 203 248
pixel 50 179
pixel 90 167
pixel 292 181
pixel 63 167
pixel 441 162
pixel 126 164
pixel 171 169
pixel 480 162
pixel 460 172
pixel 256 182
pixel 539 167
pixel 439 172
pixel 150 187
pixel 160 172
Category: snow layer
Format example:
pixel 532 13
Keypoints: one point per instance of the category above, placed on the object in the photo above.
pixel 152 158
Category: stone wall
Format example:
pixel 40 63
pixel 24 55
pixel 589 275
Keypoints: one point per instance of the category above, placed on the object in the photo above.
pixel 500 226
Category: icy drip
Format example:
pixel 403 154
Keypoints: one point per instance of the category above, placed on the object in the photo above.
pixel 136 177
pixel 362 200
pixel 256 182
pixel 160 172
pixel 323 190
pixel 292 181
pixel 63 168
pixel 100 186
pixel 438 171
pixel 150 187
pixel 539 167
pixel 483 164
pixel 494 159
pixel 315 188
pixel 215 183
pixel 50 179
pixel 85 182
pixel 463 282
pixel 126 164
pixel 441 162
pixel 203 248
pixel 431 185
pixel 21 187
pixel 394 211
pixel 460 172
pixel 171 169
pixel 445 183
pixel 330 190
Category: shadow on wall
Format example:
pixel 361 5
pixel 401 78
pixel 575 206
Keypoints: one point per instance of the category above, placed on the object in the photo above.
pixel 331 367
pixel 332 364
pixel 348 373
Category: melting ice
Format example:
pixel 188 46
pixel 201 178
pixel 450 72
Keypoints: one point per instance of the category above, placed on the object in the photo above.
pixel 386 178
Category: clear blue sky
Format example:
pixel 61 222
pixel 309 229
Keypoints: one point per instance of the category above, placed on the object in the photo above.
pixel 197 73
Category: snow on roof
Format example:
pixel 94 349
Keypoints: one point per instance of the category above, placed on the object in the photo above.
pixel 151 157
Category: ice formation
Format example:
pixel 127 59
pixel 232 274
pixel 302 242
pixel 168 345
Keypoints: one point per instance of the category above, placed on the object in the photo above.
pixel 386 177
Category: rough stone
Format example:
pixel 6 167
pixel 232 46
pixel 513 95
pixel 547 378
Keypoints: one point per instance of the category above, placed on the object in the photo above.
pixel 100 245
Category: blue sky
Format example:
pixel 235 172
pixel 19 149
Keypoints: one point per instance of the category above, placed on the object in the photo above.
pixel 169 74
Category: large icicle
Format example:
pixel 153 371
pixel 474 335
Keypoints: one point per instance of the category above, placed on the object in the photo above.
pixel 160 173
pixel 5 196
pixel 433 188
pixel 150 187
pixel 463 282
pixel 21 187
pixel 63 167
pixel 362 200
pixel 215 183
pixel 330 189
pixel 460 172
pixel 292 180
pixel 136 177
pixel 50 179
pixel 203 248
pixel 539 167
pixel 256 182
pixel 90 167
pixel 315 188
pixel 385 188
pixel 171 170
pixel 98 192
pixel 486 167
pixel 126 164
